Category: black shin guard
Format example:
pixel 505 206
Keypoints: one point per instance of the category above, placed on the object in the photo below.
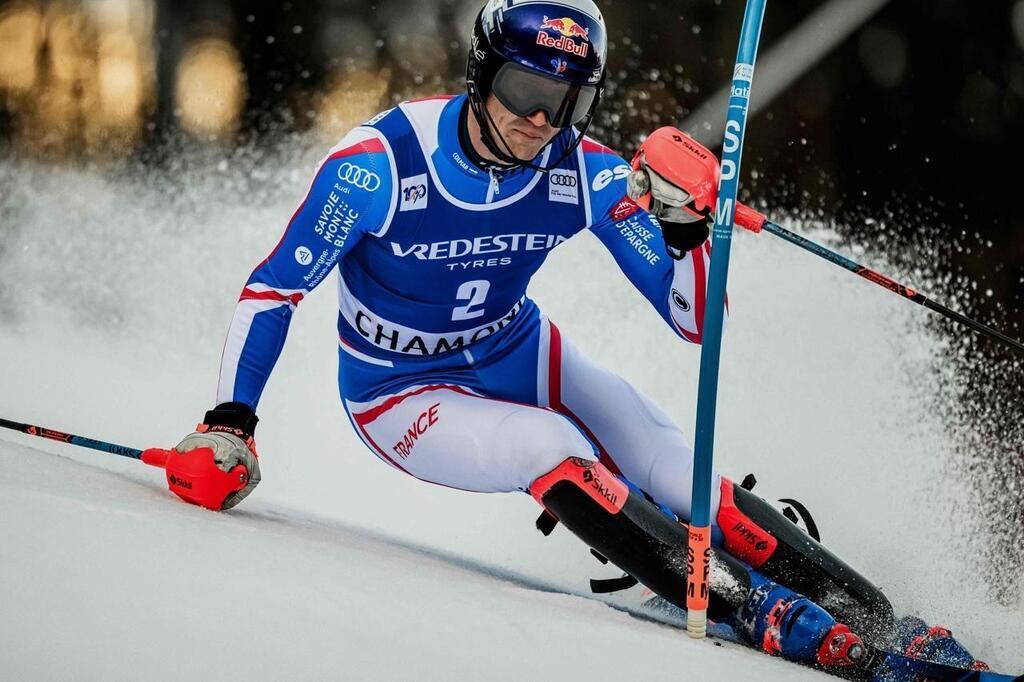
pixel 634 534
pixel 760 535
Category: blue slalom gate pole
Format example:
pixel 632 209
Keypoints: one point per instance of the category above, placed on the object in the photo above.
pixel 699 556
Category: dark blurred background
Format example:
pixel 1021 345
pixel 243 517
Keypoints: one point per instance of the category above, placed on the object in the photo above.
pixel 897 124
pixel 913 118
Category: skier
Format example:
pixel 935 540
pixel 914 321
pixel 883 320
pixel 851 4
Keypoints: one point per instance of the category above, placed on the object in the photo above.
pixel 436 214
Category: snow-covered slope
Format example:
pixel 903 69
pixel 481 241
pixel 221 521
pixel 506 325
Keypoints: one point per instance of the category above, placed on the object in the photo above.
pixel 114 297
pixel 105 577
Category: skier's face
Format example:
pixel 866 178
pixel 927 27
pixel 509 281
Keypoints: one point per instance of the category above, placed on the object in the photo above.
pixel 526 136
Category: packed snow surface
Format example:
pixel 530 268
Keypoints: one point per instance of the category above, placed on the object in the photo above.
pixel 114 297
pixel 124 584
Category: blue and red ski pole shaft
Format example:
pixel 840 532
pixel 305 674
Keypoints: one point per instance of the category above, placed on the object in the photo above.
pixel 699 547
pixel 762 223
pixel 81 441
pixel 193 477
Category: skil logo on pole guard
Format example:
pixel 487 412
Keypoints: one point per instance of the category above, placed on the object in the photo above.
pixel 569 29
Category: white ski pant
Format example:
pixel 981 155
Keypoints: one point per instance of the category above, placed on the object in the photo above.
pixel 473 429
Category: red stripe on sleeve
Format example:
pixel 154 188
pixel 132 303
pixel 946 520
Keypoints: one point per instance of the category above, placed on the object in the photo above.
pixel 250 295
pixel 700 292
pixel 430 99
pixel 368 146
pixel 707 248
pixel 591 146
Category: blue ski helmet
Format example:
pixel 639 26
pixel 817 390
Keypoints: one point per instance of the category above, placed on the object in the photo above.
pixel 537 55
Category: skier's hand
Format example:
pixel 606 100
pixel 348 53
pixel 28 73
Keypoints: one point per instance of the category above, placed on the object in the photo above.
pixel 218 459
pixel 676 179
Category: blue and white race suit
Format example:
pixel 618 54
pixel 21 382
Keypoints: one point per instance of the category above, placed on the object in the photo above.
pixel 447 370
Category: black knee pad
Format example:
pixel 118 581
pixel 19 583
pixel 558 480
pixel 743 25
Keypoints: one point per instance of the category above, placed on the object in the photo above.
pixel 634 534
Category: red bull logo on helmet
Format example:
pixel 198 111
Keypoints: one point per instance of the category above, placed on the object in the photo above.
pixel 569 30
pixel 567 27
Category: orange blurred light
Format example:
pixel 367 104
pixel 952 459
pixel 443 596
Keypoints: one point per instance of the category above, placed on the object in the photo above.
pixel 351 99
pixel 94 75
pixel 20 39
pixel 120 77
pixel 210 90
pixel 67 33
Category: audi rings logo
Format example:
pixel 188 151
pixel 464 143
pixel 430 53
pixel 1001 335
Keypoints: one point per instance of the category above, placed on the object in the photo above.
pixel 358 176
pixel 563 186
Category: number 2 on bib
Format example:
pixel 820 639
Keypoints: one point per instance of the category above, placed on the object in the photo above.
pixel 475 292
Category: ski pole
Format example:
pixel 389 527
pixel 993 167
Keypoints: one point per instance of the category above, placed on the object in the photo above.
pixel 81 441
pixel 756 222
pixel 194 478
pixel 699 539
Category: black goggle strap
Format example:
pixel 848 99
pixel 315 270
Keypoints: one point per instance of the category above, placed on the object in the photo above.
pixel 563 118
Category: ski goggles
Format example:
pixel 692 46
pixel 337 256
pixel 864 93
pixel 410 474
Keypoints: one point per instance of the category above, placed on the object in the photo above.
pixel 525 92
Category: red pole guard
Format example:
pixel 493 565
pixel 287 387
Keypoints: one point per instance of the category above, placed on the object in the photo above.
pixel 195 476
pixel 749 219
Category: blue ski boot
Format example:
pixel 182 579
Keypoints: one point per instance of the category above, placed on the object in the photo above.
pixel 781 622
pixel 917 639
